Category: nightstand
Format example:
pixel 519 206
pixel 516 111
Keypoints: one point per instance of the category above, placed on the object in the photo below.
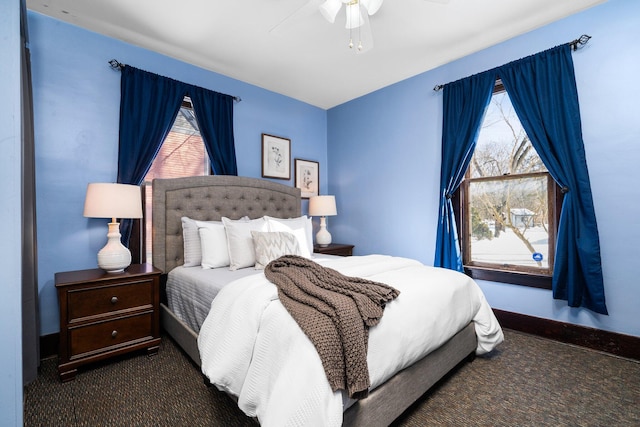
pixel 103 315
pixel 334 249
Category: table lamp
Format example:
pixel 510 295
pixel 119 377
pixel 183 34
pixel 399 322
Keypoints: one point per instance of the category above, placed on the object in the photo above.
pixel 108 200
pixel 323 206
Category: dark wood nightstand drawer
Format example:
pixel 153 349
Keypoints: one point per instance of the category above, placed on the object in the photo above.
pixel 107 335
pixel 92 302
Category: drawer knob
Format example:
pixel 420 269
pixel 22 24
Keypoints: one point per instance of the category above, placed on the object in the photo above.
pixel 114 300
pixel 114 334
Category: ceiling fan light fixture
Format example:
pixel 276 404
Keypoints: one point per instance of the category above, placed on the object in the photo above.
pixel 356 18
pixel 372 6
pixel 354 15
pixel 329 9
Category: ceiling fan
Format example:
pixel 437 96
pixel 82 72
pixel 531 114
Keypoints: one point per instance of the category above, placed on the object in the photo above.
pixel 357 14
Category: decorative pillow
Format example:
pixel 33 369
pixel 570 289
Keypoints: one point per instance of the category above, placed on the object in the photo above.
pixel 213 241
pixel 192 247
pixel 301 227
pixel 240 242
pixel 272 245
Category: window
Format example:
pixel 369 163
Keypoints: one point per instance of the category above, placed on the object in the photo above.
pixel 507 203
pixel 182 154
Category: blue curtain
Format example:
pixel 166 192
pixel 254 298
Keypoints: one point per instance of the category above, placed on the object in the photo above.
pixel 149 104
pixel 543 92
pixel 214 113
pixel 464 103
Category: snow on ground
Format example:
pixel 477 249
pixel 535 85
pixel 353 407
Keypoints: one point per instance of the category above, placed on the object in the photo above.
pixel 509 249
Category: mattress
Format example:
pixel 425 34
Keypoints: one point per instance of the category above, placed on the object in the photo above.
pixel 190 290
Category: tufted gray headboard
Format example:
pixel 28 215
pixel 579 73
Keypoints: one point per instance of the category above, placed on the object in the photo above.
pixel 209 198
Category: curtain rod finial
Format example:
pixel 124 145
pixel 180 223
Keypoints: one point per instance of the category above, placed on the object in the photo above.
pixel 579 42
pixel 116 65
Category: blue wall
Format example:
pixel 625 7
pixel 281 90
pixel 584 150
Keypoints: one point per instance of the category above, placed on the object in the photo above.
pixel 384 160
pixel 10 217
pixel 76 107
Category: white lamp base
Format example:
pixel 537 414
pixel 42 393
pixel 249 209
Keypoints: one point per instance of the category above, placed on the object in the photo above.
pixel 323 237
pixel 114 257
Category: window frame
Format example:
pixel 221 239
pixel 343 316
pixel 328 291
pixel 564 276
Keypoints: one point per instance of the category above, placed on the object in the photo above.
pixel 519 275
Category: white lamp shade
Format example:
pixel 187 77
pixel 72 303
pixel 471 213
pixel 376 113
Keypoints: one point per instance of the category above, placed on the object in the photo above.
pixel 322 206
pixel 108 200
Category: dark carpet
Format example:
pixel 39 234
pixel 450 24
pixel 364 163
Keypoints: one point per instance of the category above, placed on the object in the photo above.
pixel 527 381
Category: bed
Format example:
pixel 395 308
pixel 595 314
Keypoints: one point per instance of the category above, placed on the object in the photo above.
pixel 213 197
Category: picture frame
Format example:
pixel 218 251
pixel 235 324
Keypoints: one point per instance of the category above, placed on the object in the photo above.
pixel 276 157
pixel 307 174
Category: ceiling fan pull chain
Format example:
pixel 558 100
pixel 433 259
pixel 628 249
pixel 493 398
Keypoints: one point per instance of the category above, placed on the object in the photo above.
pixel 359 28
pixel 349 16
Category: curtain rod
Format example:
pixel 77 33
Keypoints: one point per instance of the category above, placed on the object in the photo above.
pixel 116 65
pixel 575 45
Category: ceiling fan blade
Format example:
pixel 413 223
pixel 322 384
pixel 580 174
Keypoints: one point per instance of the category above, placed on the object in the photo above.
pixel 304 11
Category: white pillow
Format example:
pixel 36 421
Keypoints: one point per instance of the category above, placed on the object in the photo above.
pixel 213 241
pixel 192 248
pixel 240 243
pixel 272 245
pixel 301 227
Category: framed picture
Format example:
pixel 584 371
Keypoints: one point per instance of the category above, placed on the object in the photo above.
pixel 307 177
pixel 276 157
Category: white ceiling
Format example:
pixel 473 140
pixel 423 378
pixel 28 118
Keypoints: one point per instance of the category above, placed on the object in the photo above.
pixel 307 58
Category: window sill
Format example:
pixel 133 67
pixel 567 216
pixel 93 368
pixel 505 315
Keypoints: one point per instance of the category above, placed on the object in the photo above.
pixel 517 278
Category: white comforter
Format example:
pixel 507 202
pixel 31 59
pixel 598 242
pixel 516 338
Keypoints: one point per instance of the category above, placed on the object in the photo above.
pixel 252 348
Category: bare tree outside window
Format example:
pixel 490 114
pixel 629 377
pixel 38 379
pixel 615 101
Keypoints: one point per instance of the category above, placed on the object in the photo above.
pixel 506 208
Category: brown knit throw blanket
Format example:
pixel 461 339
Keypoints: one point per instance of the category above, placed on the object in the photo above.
pixel 335 311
